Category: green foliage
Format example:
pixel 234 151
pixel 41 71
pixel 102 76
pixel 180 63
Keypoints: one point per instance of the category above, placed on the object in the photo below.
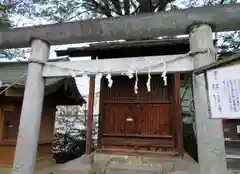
pixel 227 41
pixel 190 141
pixel 230 41
pixel 72 120
pixel 13 53
pixel 68 10
pixel 61 10
pixel 4 22
pixel 110 8
pixel 11 13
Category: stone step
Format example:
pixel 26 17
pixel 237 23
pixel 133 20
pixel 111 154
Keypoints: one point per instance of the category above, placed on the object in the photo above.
pixel 80 165
pixel 116 164
pixel 134 169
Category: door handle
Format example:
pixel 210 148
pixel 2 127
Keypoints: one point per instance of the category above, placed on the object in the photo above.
pixel 129 119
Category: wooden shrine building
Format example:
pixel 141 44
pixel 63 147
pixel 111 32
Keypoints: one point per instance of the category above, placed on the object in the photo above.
pixel 58 91
pixel 147 122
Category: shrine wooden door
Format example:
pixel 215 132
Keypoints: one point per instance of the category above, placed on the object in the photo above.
pixel 137 122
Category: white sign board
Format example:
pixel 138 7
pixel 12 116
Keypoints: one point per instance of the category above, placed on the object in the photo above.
pixel 238 129
pixel 224 92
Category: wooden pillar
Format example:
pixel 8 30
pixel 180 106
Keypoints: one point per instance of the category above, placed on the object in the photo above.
pixel 177 112
pixel 211 149
pixel 29 128
pixel 90 115
pixel 1 124
pixel 101 113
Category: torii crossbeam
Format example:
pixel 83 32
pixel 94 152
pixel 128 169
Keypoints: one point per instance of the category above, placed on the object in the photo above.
pixel 172 23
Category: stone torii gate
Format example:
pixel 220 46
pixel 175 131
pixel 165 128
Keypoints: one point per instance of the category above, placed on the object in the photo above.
pixel 197 22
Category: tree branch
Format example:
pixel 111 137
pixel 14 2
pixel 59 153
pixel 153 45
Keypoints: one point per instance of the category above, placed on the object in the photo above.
pixel 116 4
pixel 144 6
pixel 127 7
pixel 95 5
pixel 162 4
pixel 134 5
pixel 222 1
pixel 77 15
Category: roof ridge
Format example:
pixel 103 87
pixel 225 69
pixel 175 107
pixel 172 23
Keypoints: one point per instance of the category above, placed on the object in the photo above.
pixel 63 58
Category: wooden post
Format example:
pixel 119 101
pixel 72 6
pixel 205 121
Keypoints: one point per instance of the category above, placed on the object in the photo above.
pixel 90 115
pixel 177 109
pixel 29 128
pixel 211 149
pixel 1 124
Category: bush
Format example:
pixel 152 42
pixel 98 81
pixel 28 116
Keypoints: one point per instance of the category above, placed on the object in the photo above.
pixel 67 147
pixel 190 142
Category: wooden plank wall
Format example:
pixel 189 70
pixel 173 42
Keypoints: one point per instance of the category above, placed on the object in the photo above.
pixel 7 146
pixel 154 124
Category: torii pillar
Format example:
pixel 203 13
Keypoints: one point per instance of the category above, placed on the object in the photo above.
pixel 29 128
pixel 210 139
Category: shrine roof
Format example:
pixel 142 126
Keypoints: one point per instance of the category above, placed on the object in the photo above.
pixel 14 74
pixel 134 48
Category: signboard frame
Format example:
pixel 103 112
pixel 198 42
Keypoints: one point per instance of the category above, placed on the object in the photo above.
pixel 221 65
pixel 223 92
